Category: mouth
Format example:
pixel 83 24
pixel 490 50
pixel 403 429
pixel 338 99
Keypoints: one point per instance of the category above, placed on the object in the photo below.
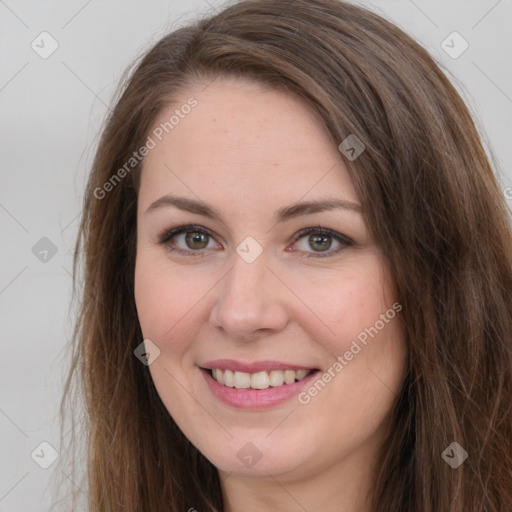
pixel 255 386
pixel 258 380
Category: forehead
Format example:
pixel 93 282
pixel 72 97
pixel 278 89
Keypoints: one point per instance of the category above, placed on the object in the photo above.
pixel 243 138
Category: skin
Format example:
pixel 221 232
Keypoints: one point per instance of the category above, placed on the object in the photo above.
pixel 248 151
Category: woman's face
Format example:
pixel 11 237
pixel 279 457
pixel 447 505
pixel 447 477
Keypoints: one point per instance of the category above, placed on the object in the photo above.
pixel 271 276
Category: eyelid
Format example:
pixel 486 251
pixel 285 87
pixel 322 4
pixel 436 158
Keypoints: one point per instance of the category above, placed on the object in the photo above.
pixel 326 231
pixel 167 234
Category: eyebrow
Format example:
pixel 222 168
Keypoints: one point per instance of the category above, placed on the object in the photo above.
pixel 282 215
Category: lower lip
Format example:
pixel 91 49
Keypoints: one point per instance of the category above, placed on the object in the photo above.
pixel 254 398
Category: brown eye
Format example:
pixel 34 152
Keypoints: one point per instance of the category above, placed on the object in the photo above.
pixel 188 240
pixel 196 240
pixel 318 242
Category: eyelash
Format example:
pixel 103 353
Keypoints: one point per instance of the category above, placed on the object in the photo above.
pixel 167 235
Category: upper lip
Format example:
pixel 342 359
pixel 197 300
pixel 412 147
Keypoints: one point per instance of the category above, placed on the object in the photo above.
pixel 253 367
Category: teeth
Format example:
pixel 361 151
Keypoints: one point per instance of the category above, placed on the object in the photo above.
pixel 300 374
pixel 258 380
pixel 228 378
pixel 218 376
pixel 289 376
pixel 242 380
pixel 276 378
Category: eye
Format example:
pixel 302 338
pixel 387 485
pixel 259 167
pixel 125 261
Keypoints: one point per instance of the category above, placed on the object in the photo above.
pixel 188 240
pixel 314 242
pixel 318 242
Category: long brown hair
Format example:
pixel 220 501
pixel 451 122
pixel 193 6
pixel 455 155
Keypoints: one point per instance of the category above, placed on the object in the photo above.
pixel 431 201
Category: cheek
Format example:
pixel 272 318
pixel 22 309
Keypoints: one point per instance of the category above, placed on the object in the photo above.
pixel 348 303
pixel 367 349
pixel 166 299
pixel 358 326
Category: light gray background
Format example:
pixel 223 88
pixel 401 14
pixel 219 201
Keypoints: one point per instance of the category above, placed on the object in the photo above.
pixel 51 112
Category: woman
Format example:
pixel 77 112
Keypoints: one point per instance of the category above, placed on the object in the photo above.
pixel 297 277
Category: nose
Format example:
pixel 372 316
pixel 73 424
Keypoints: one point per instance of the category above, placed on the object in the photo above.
pixel 250 301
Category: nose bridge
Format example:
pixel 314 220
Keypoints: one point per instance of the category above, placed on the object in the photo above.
pixel 248 299
pixel 246 275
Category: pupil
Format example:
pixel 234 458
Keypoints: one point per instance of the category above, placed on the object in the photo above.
pixel 193 238
pixel 321 241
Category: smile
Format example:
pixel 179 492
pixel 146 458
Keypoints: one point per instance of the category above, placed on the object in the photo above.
pixel 258 380
pixel 257 385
